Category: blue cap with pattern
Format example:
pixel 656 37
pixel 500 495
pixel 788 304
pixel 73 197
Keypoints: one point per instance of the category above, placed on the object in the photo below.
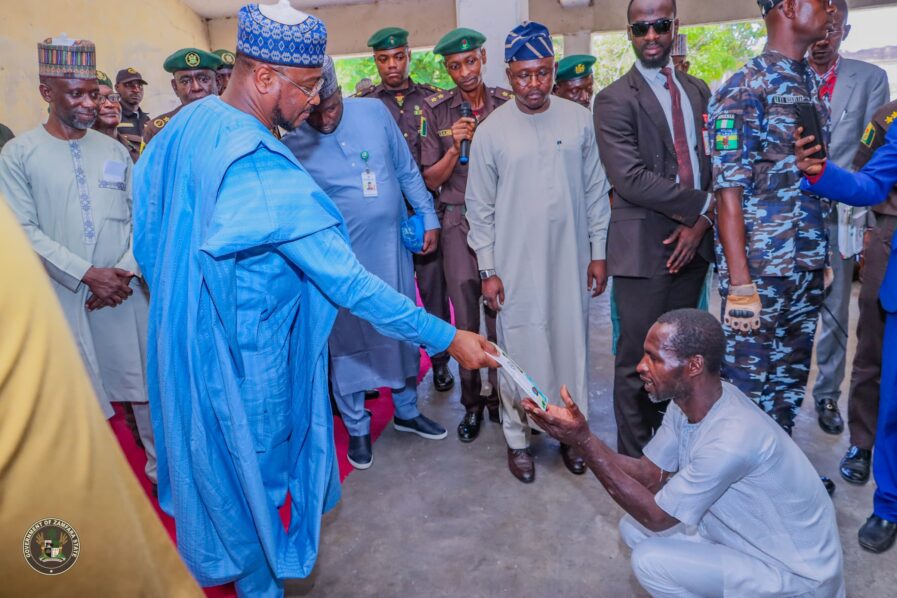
pixel 268 40
pixel 529 41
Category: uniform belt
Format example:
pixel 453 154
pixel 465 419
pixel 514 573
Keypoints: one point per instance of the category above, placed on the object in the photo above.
pixel 459 207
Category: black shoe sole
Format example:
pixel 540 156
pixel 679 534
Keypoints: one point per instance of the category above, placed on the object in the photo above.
pixel 832 431
pixel 854 482
pixel 360 466
pixel 876 549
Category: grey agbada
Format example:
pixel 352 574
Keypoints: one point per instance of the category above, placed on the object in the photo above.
pixel 537 201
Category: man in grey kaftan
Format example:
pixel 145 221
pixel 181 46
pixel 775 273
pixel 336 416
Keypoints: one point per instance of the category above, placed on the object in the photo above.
pixel 70 189
pixel 537 201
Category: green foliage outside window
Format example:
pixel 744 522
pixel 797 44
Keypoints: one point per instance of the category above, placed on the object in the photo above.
pixel 715 51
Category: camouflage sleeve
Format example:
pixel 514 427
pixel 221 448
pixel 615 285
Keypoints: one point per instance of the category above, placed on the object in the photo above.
pixel 734 123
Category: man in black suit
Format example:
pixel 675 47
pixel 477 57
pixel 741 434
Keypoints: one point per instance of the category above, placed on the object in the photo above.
pixel 651 128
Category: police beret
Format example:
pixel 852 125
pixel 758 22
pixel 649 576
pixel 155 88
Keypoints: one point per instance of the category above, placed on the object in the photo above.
pixel 459 40
pixel 575 66
pixel 388 38
pixel 767 5
pixel 189 59
pixel 227 57
pixel 103 78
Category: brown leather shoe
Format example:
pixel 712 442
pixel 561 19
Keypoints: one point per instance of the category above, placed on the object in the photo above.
pixel 574 462
pixel 521 464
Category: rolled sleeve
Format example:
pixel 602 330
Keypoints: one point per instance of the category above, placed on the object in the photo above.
pixel 734 126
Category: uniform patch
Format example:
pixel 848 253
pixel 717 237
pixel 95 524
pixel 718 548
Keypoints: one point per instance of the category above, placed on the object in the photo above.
pixel 727 140
pixel 192 59
pixel 423 126
pixel 445 133
pixel 158 123
pixel 724 121
pixel 789 99
pixel 868 135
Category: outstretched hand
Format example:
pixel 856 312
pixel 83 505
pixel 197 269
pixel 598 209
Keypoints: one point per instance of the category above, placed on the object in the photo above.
pixel 804 148
pixel 566 424
pixel 470 351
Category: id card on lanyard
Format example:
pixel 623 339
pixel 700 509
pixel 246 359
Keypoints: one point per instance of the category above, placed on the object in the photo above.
pixel 368 178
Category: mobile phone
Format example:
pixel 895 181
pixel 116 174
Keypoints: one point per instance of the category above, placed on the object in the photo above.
pixel 808 118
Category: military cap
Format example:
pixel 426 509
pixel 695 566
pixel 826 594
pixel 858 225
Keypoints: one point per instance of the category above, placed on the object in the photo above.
pixel 388 38
pixel 188 59
pixel 459 40
pixel 767 5
pixel 227 57
pixel 103 78
pixel 575 66
pixel 129 74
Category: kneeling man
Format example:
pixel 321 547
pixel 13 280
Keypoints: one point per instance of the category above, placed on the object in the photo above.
pixel 722 501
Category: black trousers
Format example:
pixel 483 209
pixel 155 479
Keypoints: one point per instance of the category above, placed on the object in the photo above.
pixel 640 301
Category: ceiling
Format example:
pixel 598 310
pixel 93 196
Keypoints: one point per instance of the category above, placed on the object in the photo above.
pixel 211 9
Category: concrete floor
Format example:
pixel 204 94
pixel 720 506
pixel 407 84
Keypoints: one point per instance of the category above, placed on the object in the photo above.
pixel 442 518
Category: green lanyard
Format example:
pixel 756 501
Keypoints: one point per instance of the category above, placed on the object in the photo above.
pixel 365 156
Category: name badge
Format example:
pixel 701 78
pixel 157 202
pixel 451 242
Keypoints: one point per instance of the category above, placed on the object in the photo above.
pixel 113 175
pixel 369 184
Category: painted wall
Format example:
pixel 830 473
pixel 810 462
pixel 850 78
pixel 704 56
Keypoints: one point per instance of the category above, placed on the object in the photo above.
pixel 138 33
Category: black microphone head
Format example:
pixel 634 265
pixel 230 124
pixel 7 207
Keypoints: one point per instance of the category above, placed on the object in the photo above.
pixel 466 110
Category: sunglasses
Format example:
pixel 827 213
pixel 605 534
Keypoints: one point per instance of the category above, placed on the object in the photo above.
pixel 660 26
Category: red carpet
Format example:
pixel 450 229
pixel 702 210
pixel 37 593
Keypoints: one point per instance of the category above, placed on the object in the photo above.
pixel 381 407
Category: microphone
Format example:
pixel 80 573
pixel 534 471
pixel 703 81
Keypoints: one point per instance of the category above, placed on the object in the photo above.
pixel 466 111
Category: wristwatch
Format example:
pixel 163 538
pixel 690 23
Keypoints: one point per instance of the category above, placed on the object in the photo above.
pixel 484 274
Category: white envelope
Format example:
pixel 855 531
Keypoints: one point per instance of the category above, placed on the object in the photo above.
pixel 520 377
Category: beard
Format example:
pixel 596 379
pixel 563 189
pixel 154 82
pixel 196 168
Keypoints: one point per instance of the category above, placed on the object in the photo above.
pixel 676 392
pixel 81 123
pixel 659 62
pixel 280 120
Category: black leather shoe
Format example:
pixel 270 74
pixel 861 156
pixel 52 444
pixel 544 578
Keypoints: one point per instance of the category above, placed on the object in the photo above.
pixel 469 428
pixel 522 465
pixel 574 462
pixel 829 417
pixel 443 380
pixel 828 483
pixel 493 414
pixel 877 534
pixel 855 465
pixel 420 425
pixel 360 454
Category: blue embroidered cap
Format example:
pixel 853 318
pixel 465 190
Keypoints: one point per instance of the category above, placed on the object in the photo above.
pixel 267 40
pixel 529 41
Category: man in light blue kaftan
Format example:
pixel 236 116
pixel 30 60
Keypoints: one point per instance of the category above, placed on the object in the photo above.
pixel 345 144
pixel 247 261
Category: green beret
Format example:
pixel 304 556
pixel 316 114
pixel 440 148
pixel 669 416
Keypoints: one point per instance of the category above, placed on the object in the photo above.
pixel 459 40
pixel 576 66
pixel 189 59
pixel 227 57
pixel 388 38
pixel 103 78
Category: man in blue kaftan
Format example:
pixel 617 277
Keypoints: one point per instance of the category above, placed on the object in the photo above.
pixel 247 261
pixel 355 151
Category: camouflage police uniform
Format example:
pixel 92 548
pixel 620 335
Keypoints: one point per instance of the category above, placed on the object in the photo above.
pixel 752 124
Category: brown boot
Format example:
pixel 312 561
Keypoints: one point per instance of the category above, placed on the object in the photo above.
pixel 522 465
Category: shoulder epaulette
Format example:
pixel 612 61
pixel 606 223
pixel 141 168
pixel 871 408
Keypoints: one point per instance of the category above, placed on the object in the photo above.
pixel 365 92
pixel 440 97
pixel 502 93
pixel 430 88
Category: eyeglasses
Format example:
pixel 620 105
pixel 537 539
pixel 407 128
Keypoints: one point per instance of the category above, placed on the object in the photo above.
pixel 308 92
pixel 660 26
pixel 112 98
pixel 523 78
